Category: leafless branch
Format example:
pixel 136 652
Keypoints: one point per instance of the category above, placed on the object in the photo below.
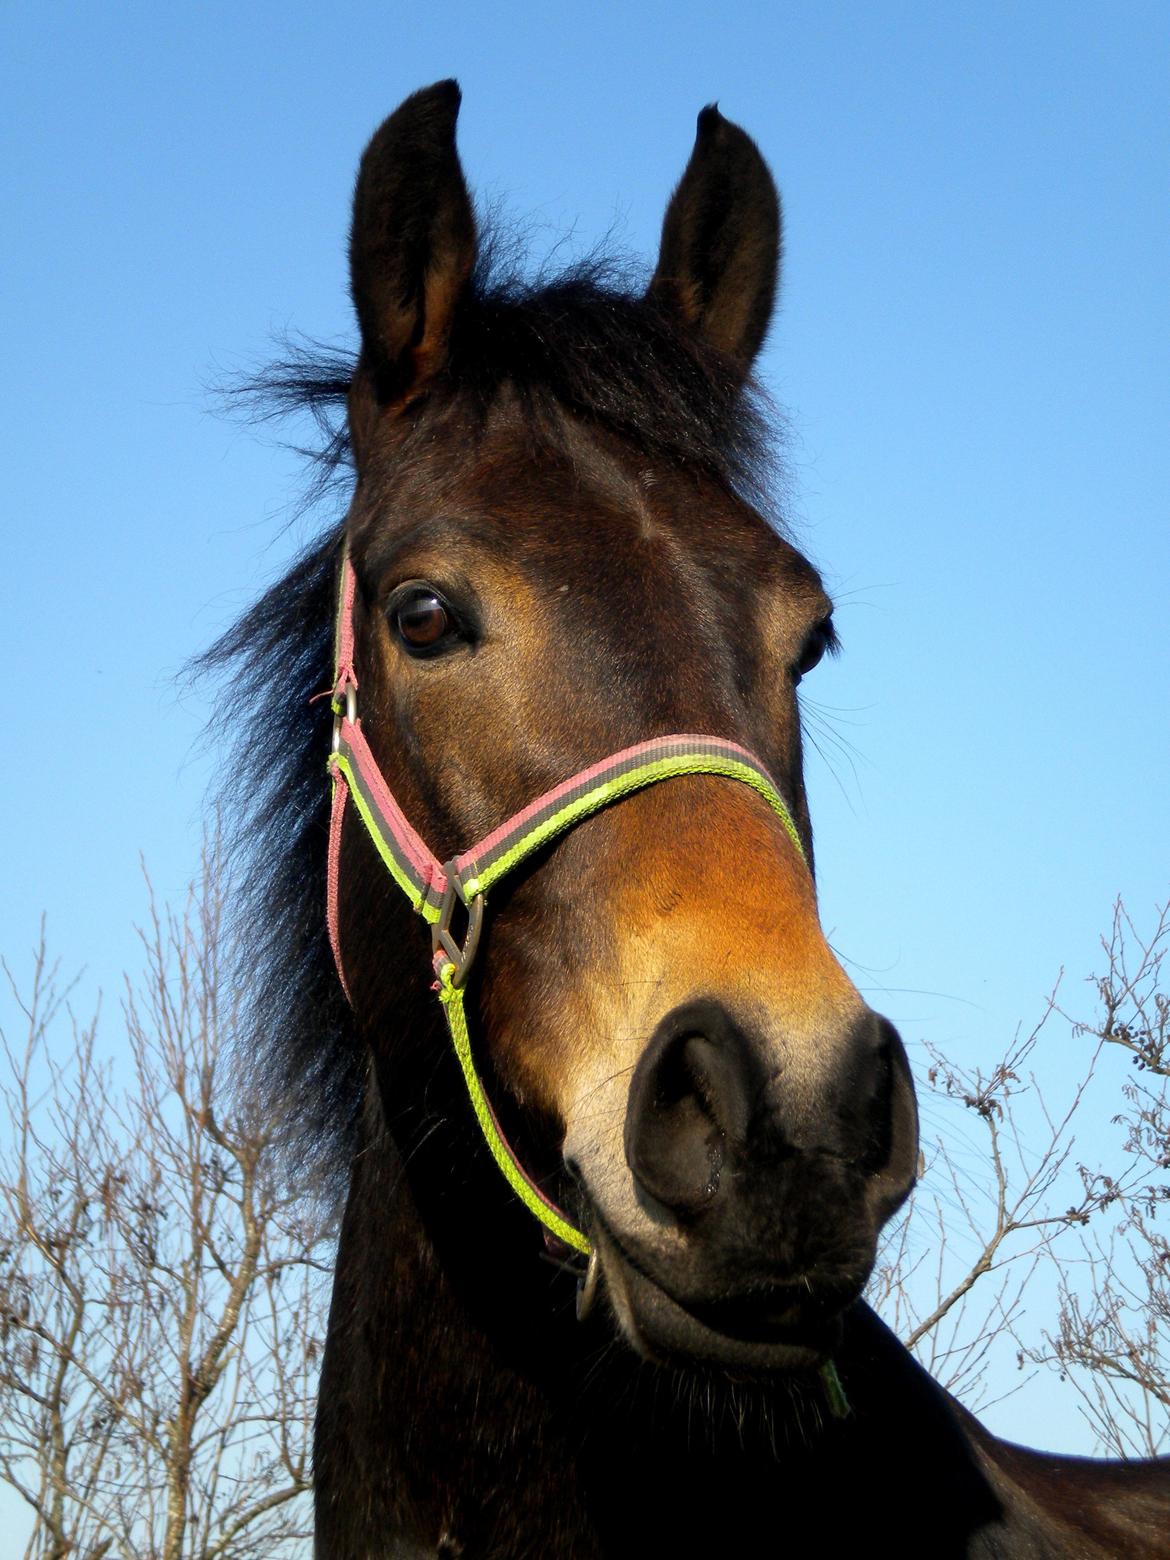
pixel 162 1289
pixel 1029 1207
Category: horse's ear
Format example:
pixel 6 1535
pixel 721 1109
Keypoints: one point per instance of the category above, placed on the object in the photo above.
pixel 720 253
pixel 412 244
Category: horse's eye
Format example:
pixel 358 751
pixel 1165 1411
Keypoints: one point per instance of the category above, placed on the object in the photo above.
pixel 422 619
pixel 823 638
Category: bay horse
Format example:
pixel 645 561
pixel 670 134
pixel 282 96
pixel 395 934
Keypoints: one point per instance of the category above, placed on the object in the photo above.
pixel 563 640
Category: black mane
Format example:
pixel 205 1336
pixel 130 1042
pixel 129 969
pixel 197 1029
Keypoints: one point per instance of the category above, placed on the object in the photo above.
pixel 587 343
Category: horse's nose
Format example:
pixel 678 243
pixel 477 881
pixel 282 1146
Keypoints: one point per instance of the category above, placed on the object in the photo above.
pixel 706 1109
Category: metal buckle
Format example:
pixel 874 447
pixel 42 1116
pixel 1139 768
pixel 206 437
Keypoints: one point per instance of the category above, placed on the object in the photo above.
pixel 350 714
pixel 443 939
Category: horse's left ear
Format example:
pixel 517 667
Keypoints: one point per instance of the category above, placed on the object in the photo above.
pixel 412 244
pixel 720 254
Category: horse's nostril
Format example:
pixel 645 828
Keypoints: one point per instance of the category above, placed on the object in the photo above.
pixel 892 1163
pixel 688 1101
pixel 682 1081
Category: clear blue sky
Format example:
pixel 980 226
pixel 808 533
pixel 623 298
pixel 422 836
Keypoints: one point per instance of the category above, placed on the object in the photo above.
pixel 972 349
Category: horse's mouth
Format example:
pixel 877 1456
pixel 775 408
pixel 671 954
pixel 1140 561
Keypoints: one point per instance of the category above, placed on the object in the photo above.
pixel 749 1333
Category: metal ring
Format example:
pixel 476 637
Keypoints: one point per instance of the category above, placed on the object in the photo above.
pixel 587 1286
pixel 350 714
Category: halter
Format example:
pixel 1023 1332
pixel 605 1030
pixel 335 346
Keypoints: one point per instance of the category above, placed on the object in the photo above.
pixel 434 888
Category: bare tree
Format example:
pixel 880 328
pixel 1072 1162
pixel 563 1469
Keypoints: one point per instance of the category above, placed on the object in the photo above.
pixel 1112 1337
pixel 162 1287
pixel 953 1277
pixel 1020 1209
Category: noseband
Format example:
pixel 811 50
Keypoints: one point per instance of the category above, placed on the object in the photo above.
pixel 434 889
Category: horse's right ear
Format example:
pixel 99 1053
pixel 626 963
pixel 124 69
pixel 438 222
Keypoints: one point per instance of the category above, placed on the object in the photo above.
pixel 720 254
pixel 411 248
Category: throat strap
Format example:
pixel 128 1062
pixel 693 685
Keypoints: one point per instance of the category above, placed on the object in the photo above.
pixel 434 890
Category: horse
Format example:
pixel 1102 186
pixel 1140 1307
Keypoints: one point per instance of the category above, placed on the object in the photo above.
pixel 617 1142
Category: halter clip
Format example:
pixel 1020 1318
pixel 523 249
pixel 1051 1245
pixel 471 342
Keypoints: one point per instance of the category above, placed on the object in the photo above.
pixel 443 939
pixel 350 710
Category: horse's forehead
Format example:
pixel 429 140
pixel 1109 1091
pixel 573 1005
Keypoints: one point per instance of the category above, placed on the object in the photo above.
pixel 549 493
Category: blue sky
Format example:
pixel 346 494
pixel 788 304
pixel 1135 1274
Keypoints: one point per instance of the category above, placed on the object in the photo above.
pixel 971 351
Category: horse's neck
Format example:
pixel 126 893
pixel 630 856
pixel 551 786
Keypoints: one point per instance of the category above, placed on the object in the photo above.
pixel 514 1439
pixel 425 1428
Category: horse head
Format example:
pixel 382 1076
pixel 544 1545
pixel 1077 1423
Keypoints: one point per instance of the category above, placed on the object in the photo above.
pixel 558 554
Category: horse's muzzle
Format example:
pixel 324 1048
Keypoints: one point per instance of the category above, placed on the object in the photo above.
pixel 759 1198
